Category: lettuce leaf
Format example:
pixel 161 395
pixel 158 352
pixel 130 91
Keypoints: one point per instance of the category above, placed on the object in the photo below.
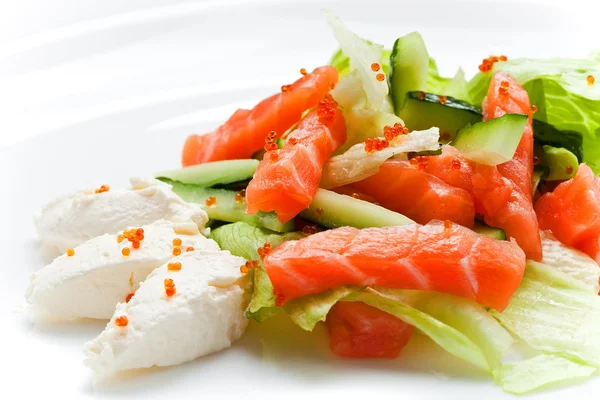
pixel 307 311
pixel 559 89
pixel 555 313
pixel 571 262
pixel 244 240
pixel 531 374
pixel 362 55
pixel 454 87
pixel 356 164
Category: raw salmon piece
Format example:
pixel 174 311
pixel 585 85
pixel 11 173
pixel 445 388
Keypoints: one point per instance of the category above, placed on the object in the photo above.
pixel 572 211
pixel 409 190
pixel 504 206
pixel 449 259
pixel 451 167
pixel 287 179
pixel 506 96
pixel 245 132
pixel 357 330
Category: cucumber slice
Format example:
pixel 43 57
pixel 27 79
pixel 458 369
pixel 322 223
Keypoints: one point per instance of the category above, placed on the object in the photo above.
pixel 546 134
pixel 226 208
pixel 492 142
pixel 213 173
pixel 494 233
pixel 562 164
pixel 409 65
pixel 333 210
pixel 424 110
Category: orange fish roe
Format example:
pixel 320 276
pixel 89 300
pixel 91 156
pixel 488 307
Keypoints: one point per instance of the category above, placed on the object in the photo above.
pixel 533 108
pixel 240 196
pixel 456 164
pixel 419 161
pixel 303 71
pixel 504 85
pixel 174 266
pixel 176 251
pixel 286 88
pixel 292 141
pixel 169 287
pixel 536 160
pixel 320 211
pixel 133 235
pixel 70 252
pixel 176 242
pixel 189 249
pixel 375 67
pixel 129 296
pixel 121 321
pixel 447 225
pixel 421 96
pixel 443 99
pixel 120 238
pixel 309 229
pixel 126 251
pixel 135 244
pixel 210 201
pixel 390 132
pixel 249 265
pixel 270 141
pixel 590 80
pixel 355 195
pixel 326 108
pixel 380 77
pixel 102 189
pixel 488 63
pixel 273 156
pixel 332 86
pixel 375 144
pixel 569 170
pixel 263 251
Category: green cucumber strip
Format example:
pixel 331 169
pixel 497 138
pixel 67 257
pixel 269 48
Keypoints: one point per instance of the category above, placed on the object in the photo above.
pixel 226 208
pixel 333 210
pixel 491 142
pixel 213 173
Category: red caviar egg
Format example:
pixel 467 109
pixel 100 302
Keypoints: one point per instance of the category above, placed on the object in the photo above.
pixel 189 249
pixel 129 296
pixel 176 251
pixel 375 67
pixel 380 77
pixel 211 200
pixel 590 80
pixel 126 251
pixel 303 71
pixel 176 242
pixel 121 321
pixel 174 266
pixel 70 252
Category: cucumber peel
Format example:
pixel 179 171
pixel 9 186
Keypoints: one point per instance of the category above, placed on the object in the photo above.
pixel 213 173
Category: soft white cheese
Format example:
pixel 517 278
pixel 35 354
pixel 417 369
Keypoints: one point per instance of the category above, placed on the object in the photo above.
pixel 98 276
pixel 206 314
pixel 70 220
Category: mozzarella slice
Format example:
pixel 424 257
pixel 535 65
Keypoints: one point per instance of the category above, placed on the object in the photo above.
pixel 91 282
pixel 206 314
pixel 70 220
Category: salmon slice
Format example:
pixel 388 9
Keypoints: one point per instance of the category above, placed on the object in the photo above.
pixel 409 190
pixel 451 167
pixel 572 212
pixel 287 179
pixel 244 133
pixel 506 96
pixel 437 257
pixel 505 206
pixel 357 330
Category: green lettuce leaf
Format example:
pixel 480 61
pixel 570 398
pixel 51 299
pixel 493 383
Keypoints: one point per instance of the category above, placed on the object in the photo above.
pixel 539 371
pixel 571 262
pixel 555 313
pixel 307 311
pixel 559 89
pixel 449 338
pixel 454 87
pixel 244 240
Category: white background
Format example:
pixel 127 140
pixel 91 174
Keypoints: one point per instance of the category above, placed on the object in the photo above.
pixel 93 92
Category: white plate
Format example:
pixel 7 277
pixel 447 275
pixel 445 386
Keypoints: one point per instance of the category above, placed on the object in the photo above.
pixel 94 92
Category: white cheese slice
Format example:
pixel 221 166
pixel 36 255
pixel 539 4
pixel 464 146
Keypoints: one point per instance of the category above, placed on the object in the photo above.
pixel 98 276
pixel 205 315
pixel 70 220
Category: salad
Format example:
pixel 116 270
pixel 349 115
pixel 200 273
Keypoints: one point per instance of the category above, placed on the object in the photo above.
pixel 372 195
